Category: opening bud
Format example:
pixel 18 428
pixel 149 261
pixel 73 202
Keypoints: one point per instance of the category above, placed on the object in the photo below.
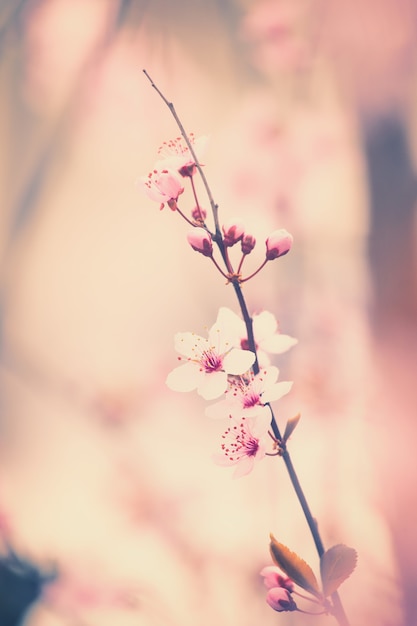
pixel 278 243
pixel 198 214
pixel 232 232
pixel 248 243
pixel 188 170
pixel 280 599
pixel 163 186
pixel 200 240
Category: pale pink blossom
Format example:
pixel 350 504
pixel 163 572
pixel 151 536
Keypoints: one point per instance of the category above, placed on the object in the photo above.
pixel 247 397
pixel 268 339
pixel 200 240
pixel 244 442
pixel 176 154
pixel 278 243
pixel 273 577
pixel 71 593
pixel 163 186
pixel 208 362
pixel 280 599
pixel 277 36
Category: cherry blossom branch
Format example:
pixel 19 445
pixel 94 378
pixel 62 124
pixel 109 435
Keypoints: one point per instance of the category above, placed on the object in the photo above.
pixel 276 246
pixel 253 273
pixel 214 206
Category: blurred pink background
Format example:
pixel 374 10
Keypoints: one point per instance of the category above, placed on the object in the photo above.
pixel 310 108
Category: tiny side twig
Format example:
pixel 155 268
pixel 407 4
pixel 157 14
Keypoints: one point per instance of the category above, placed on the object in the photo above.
pixel 214 206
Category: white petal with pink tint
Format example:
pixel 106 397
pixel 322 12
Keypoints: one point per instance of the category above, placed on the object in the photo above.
pixel 247 396
pixel 190 344
pixel 278 344
pixel 186 377
pixel 243 442
pixel 277 391
pixel 238 361
pixel 212 385
pixel 264 325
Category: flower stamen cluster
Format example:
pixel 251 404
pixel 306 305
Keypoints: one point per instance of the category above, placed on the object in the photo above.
pixel 243 443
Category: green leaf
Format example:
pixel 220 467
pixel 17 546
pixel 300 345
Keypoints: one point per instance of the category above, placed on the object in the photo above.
pixel 336 565
pixel 290 427
pixel 294 566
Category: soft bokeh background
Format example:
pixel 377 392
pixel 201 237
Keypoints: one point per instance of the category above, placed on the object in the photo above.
pixel 104 472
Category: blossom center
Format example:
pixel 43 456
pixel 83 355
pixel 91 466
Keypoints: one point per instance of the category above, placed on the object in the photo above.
pixel 211 361
pixel 176 147
pixel 250 399
pixel 239 442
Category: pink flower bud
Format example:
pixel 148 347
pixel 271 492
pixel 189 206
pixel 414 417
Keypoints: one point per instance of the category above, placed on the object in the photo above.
pixel 233 231
pixel 273 577
pixel 200 240
pixel 198 214
pixel 189 169
pixel 280 599
pixel 278 243
pixel 248 243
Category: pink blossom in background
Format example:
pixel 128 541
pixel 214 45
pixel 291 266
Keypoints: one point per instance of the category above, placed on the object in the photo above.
pixel 277 35
pixel 73 593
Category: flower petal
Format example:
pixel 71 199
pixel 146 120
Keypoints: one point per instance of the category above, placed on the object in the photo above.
pixel 190 344
pixel 248 412
pixel 244 466
pixel 267 377
pixel 259 428
pixel 186 377
pixel 278 344
pixel 222 459
pixel 238 361
pixel 264 325
pixel 212 385
pixel 277 391
pixel 221 409
pixel 231 324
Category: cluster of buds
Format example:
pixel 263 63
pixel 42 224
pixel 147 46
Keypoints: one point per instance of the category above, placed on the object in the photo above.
pixel 277 244
pixel 280 589
pixel 166 183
